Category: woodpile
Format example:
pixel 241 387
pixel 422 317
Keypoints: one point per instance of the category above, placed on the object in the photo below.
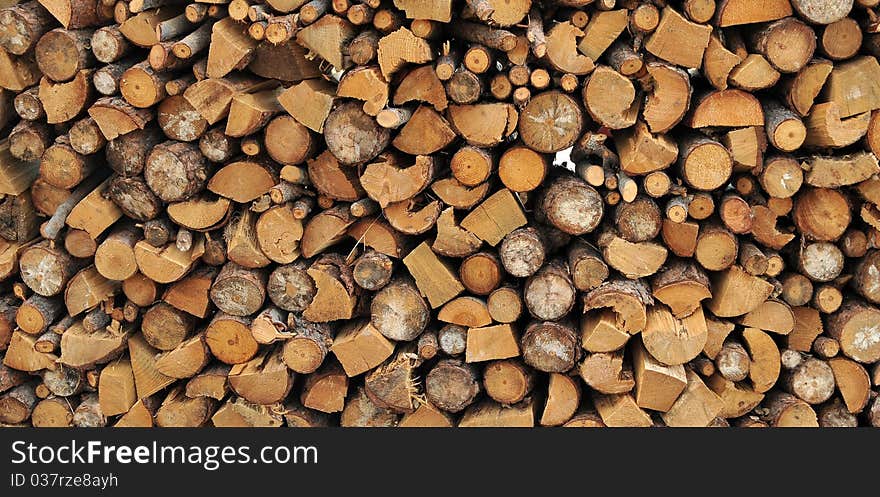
pixel 444 213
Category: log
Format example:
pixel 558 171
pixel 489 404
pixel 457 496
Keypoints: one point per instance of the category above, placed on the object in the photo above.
pixel 765 362
pixel 306 346
pixel 551 122
pixel 633 260
pixel 398 311
pixel 23 26
pixel 673 25
pixel 549 346
pixel 116 390
pixel 452 385
pixel 572 206
pixel 835 415
pixel 82 349
pixel 263 380
pixel 841 39
pixel 851 328
pixel 53 412
pixel 230 339
pixel 46 269
pixel 821 12
pixel 549 294
pixel 238 291
pixel 114 257
pixel 681 286
pixel 697 406
pixel 834 209
pixel 35 314
pixel 18 404
pixel 786 410
pixel 620 410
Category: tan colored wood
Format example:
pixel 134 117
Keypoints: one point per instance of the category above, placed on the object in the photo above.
pixel 633 260
pixel 604 27
pixel 82 349
pixel 621 410
pixel 697 406
pixel 765 366
pixel 736 12
pixel 730 289
pixel 116 390
pixel 360 347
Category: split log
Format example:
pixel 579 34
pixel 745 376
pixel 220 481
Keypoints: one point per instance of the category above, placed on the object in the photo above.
pixel 495 217
pixel 730 289
pixel 605 373
pixel 325 391
pixel 621 410
pixel 239 412
pixel 563 397
pixel 211 382
pixel 853 383
pixel 673 25
pixel 263 380
pixel 633 260
pixel 116 390
pixel 177 410
pixel 671 340
pixel 765 362
pixel 786 410
pixel 697 406
pixel 681 286
pixel 82 349
pixel 490 343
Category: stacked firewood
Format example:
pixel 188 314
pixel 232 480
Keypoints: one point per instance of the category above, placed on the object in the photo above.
pixel 439 213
